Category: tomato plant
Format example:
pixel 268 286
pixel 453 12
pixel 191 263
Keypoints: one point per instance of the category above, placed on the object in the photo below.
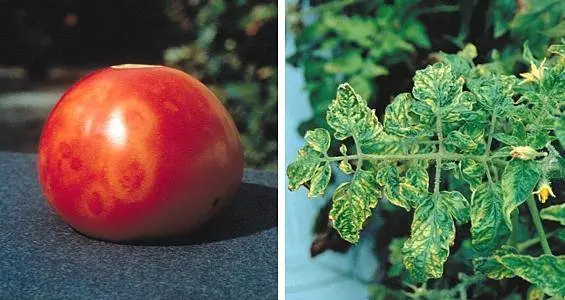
pixel 138 151
pixel 466 152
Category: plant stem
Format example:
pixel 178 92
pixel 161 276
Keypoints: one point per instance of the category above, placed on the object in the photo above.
pixel 537 223
pixel 438 9
pixel 440 152
pixel 359 153
pixel 515 220
pixel 528 243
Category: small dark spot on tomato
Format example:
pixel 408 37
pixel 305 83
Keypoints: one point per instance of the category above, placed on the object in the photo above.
pixel 133 176
pixel 216 202
pixel 95 204
pixel 65 150
pixel 76 164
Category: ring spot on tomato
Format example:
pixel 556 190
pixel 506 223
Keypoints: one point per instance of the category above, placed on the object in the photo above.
pixel 133 176
pixel 134 118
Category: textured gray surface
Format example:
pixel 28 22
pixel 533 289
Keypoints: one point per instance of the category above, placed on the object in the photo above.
pixel 235 256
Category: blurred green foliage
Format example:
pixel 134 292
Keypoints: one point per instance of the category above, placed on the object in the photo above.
pixel 377 45
pixel 231 46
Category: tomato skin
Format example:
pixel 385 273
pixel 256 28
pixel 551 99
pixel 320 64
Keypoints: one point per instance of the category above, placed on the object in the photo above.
pixel 134 152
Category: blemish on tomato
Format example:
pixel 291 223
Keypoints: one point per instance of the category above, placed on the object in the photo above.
pixel 133 118
pixel 95 204
pixel 216 202
pixel 76 164
pixel 171 106
pixel 65 150
pixel 133 176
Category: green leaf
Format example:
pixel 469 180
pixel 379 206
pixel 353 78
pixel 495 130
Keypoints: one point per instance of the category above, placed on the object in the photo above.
pixel 343 149
pixel 459 108
pixel 352 204
pixel 493 92
pixel 348 63
pixel 502 14
pixel 546 271
pixel 472 172
pixel 458 140
pixel 436 82
pixel 372 70
pixel 557 49
pixel 417 176
pixel 539 139
pixel 389 178
pixel 554 213
pixel 432 232
pixel 345 167
pixel 363 86
pixel 560 130
pixel 349 116
pixel 491 267
pixel 556 31
pixel 320 180
pixel 318 139
pixel 488 229
pixel 395 257
pixel 401 121
pixel 518 181
pixel 415 32
pixel 508 139
pixel 302 170
pixel 457 205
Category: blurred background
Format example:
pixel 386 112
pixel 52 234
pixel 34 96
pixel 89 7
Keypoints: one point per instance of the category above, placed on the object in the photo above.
pixel 231 46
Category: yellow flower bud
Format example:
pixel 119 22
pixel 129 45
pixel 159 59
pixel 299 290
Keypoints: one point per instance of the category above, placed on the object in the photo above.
pixel 524 152
pixel 544 191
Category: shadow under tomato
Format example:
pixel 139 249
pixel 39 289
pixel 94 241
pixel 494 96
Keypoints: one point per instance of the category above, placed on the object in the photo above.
pixel 254 209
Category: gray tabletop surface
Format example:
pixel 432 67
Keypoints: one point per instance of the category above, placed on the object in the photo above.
pixel 233 257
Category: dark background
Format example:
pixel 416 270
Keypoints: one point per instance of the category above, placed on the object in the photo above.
pixel 229 45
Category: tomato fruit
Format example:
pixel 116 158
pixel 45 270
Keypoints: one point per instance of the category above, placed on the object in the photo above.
pixel 138 151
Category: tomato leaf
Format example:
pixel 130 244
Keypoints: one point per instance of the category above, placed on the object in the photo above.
pixel 457 206
pixel 554 213
pixel 320 180
pixel 353 203
pixel 348 63
pixel 472 171
pixel 560 130
pixel 438 83
pixel 546 271
pixel 491 267
pixel 349 116
pixel 488 229
pixel 318 139
pixel 400 120
pixel 432 232
pixel 518 181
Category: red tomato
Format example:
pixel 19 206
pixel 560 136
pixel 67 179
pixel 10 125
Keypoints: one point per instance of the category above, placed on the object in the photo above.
pixel 138 151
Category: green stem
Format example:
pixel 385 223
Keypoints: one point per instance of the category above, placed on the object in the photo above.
pixel 491 133
pixel 528 243
pixel 359 153
pixel 438 9
pixel 514 218
pixel 537 223
pixel 441 152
